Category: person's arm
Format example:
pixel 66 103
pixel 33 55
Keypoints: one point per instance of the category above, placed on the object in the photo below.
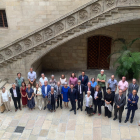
pixel 98 78
pixel 103 81
pixel 68 95
pixel 69 81
pixel 21 92
pixel 1 99
pixel 124 102
pixel 116 87
pixel 87 80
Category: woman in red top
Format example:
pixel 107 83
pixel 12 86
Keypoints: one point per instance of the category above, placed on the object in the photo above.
pixel 23 94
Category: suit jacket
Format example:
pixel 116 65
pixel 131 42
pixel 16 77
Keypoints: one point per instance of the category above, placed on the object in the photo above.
pixel 43 90
pixel 131 105
pixel 82 90
pixel 130 88
pixel 122 101
pixel 91 89
pixel 56 89
pixel 18 92
pixel 85 80
pixel 72 95
pixel 99 95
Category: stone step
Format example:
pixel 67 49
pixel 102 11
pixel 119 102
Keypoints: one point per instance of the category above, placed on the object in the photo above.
pixel 2 83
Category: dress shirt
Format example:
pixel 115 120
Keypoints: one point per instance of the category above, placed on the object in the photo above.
pixel 112 84
pixel 89 88
pixel 14 92
pixel 5 96
pixel 119 97
pixel 73 81
pixel 123 85
pixel 32 75
pixel 79 86
pixel 58 90
pixel 95 95
pixel 41 80
pixel 87 101
pixel 45 89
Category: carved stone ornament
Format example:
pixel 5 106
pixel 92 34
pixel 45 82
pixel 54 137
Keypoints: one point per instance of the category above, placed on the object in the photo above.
pixel 83 14
pixel 59 27
pixel 71 21
pixel 38 37
pixel 48 32
pixel 110 2
pixel 8 52
pixel 96 8
pixel 28 43
pixel 18 48
pixel 1 58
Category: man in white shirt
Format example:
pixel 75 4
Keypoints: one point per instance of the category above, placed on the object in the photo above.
pixel 32 77
pixel 42 79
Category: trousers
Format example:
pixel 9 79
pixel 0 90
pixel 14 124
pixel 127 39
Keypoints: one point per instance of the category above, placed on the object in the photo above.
pixel 45 101
pixel 80 101
pixel 16 101
pixel 73 104
pixel 128 114
pixel 39 103
pixel 59 98
pixel 116 111
pixel 7 105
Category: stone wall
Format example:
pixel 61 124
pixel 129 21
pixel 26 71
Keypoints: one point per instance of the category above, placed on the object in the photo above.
pixel 24 16
pixel 73 54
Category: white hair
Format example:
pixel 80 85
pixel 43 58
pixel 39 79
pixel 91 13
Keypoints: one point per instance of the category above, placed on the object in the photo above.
pixel 134 79
pixel 52 75
pixel 89 92
pixel 102 70
pixel 52 87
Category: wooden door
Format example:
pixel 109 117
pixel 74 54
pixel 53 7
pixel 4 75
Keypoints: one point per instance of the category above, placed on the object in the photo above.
pixel 99 48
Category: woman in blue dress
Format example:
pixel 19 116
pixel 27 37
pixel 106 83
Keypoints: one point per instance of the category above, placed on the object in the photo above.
pixel 30 97
pixel 93 82
pixel 64 93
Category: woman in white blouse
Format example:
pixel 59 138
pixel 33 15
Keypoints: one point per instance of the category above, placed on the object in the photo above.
pixel 38 96
pixel 63 79
pixel 6 98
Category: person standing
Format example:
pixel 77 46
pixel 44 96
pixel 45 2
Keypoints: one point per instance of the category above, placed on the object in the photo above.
pixel 30 97
pixel 23 94
pixel 6 98
pixel 32 77
pixel 72 97
pixel 19 80
pixel 42 79
pixel 58 89
pixel 73 79
pixel 52 98
pixel 133 86
pixel 112 83
pixel 109 98
pixel 84 79
pixel 64 93
pixel 101 78
pixel 38 96
pixel 45 90
pixel 53 81
pixel 15 92
pixel 120 101
pixel 132 105
pixel 97 100
pixel 123 85
pixel 80 89
pixel 93 82
pixel 89 88
pixel 63 79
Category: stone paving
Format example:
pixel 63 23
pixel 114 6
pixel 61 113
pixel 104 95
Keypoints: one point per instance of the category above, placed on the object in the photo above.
pixel 63 124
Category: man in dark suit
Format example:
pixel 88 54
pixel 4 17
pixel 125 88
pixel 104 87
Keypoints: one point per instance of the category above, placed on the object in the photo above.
pixel 72 96
pixel 80 89
pixel 120 101
pixel 89 88
pixel 133 86
pixel 84 79
pixel 132 105
pixel 58 89
pixel 15 92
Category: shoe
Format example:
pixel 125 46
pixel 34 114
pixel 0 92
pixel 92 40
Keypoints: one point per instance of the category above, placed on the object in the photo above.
pixel 120 121
pixel 71 109
pixel 61 107
pixel 44 107
pixel 125 121
pixel 126 108
pixel 57 106
pixel 131 121
pixel 15 110
pixel 20 109
pixel 75 112
pixel 85 110
pixel 114 118
pixel 78 108
pixel 99 114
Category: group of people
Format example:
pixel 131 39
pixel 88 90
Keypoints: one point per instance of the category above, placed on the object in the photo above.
pixel 52 91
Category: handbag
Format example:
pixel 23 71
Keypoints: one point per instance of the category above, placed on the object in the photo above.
pixel 2 108
pixel 49 106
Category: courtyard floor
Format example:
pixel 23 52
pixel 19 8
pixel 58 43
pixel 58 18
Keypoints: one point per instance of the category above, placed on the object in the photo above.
pixel 64 125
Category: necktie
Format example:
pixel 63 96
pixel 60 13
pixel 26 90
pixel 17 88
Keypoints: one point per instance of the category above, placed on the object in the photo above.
pixel 82 78
pixel 79 89
pixel 133 86
pixel 119 98
pixel 58 90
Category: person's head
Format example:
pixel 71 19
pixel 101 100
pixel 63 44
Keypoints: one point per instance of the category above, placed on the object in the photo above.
pixel 3 89
pixel 62 76
pixel 134 92
pixel 29 86
pixel 73 75
pixel 83 73
pixel 13 85
pixel 71 86
pixel 123 78
pixel 109 90
pixel 93 80
pixel 97 88
pixel 65 84
pixel 19 75
pixel 120 92
pixel 31 69
pixel 134 81
pixel 45 83
pixel 23 84
pixel 52 76
pixel 52 89
pixel 102 72
pixel 112 77
pixel 42 75
pixel 79 82
pixel 37 85
pixel 58 84
pixel 88 93
pixel 89 84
